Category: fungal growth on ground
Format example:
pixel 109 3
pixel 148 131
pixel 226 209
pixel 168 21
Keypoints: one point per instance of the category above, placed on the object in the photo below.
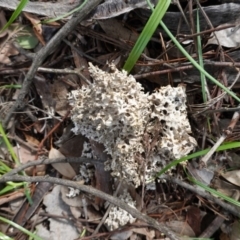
pixel 141 132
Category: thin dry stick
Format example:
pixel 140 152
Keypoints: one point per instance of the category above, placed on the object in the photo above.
pixel 176 2
pixel 108 210
pixel 214 100
pixel 209 23
pixel 134 212
pixel 83 54
pixel 206 158
pixel 65 71
pixel 45 51
pixel 226 206
pixel 213 227
pixel 225 134
pixel 50 161
pixel 181 68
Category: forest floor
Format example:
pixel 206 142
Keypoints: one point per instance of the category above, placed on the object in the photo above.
pixel 94 184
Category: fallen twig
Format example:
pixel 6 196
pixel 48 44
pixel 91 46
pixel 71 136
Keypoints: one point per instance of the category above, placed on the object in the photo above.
pixel 134 212
pixel 44 52
pixel 228 207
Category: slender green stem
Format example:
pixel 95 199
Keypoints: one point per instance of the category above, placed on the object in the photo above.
pixel 16 86
pixel 200 59
pixel 10 149
pixel 15 14
pixel 146 34
pixel 66 14
pixel 5 237
pixel 195 64
pixel 205 92
pixel 20 228
pixel 215 192
pixel 198 154
pixel 8 144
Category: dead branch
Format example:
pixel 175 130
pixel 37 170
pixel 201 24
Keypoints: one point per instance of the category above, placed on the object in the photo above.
pixel 45 51
pixel 228 207
pixel 134 212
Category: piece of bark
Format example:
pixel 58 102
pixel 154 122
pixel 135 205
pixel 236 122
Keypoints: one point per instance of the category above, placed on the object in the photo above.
pixel 48 8
pixel 103 178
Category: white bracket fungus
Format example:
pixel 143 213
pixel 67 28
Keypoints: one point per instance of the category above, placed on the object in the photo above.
pixel 141 132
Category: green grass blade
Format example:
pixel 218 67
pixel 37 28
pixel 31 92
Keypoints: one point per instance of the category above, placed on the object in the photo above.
pixel 27 193
pixel 195 64
pixel 15 86
pixel 15 14
pixel 223 147
pixel 20 228
pixel 4 168
pixel 8 144
pixel 14 157
pixel 146 34
pixel 11 187
pixel 5 237
pixel 215 192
